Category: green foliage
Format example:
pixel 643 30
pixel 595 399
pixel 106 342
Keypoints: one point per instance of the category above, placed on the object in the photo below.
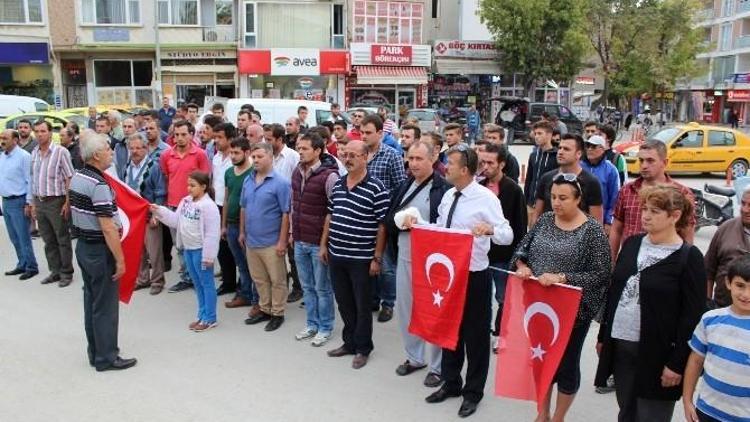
pixel 541 39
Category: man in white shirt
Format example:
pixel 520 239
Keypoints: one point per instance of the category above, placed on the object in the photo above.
pixel 223 133
pixel 471 206
pixel 285 159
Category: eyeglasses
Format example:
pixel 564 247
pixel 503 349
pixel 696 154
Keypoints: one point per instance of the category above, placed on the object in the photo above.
pixel 591 146
pixel 569 178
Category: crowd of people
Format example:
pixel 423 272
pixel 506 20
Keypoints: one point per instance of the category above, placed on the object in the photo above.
pixel 288 213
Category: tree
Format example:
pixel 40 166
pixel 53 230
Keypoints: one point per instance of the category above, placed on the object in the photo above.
pixel 540 39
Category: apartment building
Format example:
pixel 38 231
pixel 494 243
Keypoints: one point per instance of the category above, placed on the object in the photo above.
pixel 725 86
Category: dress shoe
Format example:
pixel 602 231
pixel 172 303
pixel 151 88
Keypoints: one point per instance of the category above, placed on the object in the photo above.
pixel 341 351
pixel 28 275
pixel 16 271
pixel 155 289
pixel 274 323
pixel 432 380
pixel 294 296
pixel 225 290
pixel 258 318
pixel 65 282
pixel 407 368
pixel 51 279
pixel 385 315
pixel 237 302
pixel 167 266
pixel 254 310
pixel 375 307
pixel 119 364
pixel 181 286
pixel 440 395
pixel 468 407
pixel 359 361
pixel 141 286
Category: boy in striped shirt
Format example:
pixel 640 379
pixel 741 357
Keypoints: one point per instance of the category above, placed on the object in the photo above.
pixel 721 350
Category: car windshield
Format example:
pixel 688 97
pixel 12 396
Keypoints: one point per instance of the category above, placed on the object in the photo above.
pixel 665 135
pixel 422 115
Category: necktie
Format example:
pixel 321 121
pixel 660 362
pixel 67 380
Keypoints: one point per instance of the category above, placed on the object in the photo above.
pixel 452 209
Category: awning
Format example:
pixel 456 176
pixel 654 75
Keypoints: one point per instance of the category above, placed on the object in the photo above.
pixel 467 67
pixel 391 75
pixel 207 69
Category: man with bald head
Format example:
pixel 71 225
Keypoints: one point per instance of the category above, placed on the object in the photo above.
pixel 292 126
pixel 352 244
pixel 254 134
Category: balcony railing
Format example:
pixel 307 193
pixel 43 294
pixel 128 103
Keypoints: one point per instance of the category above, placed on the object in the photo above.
pixel 742 41
pixel 703 15
pixel 220 34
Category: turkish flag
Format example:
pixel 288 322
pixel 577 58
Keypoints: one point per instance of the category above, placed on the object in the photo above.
pixel 133 212
pixel 534 332
pixel 439 272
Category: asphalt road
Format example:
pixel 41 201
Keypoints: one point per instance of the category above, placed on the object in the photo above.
pixel 234 372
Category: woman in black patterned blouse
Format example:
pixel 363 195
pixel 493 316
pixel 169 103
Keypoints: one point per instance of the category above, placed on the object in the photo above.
pixel 567 246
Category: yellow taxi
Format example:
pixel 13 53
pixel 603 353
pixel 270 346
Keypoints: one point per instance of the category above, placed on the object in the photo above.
pixel 57 119
pixel 694 147
pixel 126 111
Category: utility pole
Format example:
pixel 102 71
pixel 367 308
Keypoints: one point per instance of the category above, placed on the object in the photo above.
pixel 157 74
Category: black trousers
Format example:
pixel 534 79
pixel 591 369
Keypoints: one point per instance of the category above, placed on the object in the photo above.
pixel 296 286
pixel 473 341
pixel 100 301
pixel 351 287
pixel 227 265
pixel 166 244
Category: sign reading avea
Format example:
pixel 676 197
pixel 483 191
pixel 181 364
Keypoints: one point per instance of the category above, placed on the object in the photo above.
pixel 466 49
pixel 390 55
pixel 295 61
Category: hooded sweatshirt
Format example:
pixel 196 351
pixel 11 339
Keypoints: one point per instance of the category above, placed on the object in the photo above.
pixel 540 162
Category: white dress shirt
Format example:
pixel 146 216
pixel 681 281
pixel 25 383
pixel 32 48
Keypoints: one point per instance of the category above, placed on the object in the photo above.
pixel 477 204
pixel 219 166
pixel 285 163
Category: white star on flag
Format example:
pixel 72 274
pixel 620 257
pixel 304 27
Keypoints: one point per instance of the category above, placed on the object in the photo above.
pixel 537 352
pixel 437 298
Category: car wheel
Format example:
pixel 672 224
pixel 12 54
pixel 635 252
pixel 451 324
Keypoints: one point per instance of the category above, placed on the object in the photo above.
pixel 739 168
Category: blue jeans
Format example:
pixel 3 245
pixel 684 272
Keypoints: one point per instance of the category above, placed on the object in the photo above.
pixel 18 230
pixel 384 285
pixel 316 286
pixel 203 280
pixel 247 288
pixel 500 280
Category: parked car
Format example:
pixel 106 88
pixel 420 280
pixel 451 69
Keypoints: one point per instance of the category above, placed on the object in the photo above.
pixel 57 119
pixel 429 119
pixel 14 104
pixel 274 110
pixel 517 115
pixel 694 147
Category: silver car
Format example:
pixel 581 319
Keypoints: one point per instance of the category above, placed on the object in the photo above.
pixel 429 119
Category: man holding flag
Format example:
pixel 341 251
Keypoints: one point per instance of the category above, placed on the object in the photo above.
pixel 473 207
pixel 97 224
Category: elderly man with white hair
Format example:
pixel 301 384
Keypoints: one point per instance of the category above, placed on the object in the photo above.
pixel 96 223
pixel 115 119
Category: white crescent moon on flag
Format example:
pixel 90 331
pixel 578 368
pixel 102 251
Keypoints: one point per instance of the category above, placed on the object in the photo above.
pixel 125 221
pixel 546 310
pixel 438 258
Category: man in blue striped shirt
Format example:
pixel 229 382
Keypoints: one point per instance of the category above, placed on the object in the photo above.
pixel 352 244
pixel 721 351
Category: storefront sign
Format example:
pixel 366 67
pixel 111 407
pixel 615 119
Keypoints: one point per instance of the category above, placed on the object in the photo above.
pixel 742 78
pixel 585 80
pixel 24 53
pixel 390 55
pixel 199 54
pixel 739 95
pixel 466 49
pixel 111 35
pixel 293 62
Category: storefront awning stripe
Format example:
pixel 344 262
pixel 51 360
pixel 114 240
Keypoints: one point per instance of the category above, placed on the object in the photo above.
pixel 391 75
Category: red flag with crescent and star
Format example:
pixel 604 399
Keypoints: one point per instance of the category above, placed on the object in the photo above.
pixel 534 332
pixel 133 212
pixel 440 271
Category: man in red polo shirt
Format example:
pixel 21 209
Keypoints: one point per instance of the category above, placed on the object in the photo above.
pixel 176 165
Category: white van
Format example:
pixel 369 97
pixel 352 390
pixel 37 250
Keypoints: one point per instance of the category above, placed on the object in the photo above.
pixel 14 104
pixel 274 110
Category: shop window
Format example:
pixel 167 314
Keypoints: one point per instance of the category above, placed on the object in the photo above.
pixel 123 82
pixel 223 12
pixel 395 22
pixel 21 11
pixel 178 12
pixel 110 12
pixel 720 139
pixel 337 26
pixel 251 23
pixel 305 25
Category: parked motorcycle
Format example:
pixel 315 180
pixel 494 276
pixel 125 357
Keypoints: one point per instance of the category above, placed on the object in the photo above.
pixel 713 205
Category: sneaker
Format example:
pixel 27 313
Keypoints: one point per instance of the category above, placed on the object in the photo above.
pixel 609 388
pixel 320 339
pixel 495 342
pixel 305 334
pixel 156 289
pixel 181 286
pixel 205 326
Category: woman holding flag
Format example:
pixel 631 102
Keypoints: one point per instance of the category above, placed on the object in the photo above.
pixel 567 246
pixel 656 300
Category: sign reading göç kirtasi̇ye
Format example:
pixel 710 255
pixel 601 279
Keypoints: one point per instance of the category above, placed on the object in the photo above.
pixel 466 49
